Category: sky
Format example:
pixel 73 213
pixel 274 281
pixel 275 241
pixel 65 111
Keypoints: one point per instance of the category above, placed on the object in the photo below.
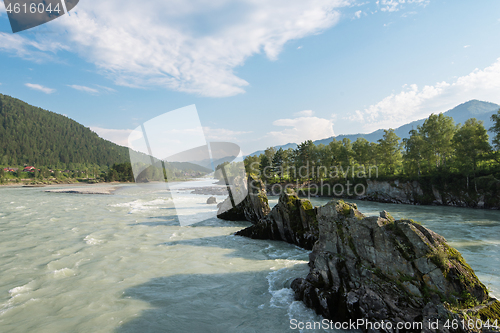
pixel 260 73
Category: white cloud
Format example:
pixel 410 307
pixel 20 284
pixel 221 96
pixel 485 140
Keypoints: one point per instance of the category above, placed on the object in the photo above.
pixel 222 134
pixel 390 5
pixel 396 5
pixel 408 14
pixel 358 14
pixel 40 88
pixel 302 128
pixel 118 136
pixel 359 4
pixel 108 89
pixel 305 113
pixel 92 90
pixel 190 46
pixel 37 51
pixel 466 46
pixel 414 103
pixel 84 89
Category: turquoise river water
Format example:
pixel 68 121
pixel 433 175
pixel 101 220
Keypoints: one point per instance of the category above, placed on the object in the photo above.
pixel 122 263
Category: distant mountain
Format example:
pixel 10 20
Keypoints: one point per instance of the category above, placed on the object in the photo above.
pixel 471 109
pixel 186 166
pixel 285 147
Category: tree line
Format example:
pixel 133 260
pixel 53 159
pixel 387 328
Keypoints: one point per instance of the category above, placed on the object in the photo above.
pixel 437 146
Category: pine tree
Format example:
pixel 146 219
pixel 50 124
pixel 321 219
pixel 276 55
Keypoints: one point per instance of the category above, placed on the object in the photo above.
pixel 390 151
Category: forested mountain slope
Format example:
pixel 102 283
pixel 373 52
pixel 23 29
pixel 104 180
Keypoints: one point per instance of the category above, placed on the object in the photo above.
pixel 31 135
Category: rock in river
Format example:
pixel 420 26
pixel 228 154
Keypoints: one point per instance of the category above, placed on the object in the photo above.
pixel 382 270
pixel 292 220
pixel 377 269
pixel 252 208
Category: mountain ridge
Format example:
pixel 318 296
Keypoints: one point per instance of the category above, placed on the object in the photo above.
pixel 480 110
pixel 32 135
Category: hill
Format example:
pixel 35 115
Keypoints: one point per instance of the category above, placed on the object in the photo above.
pixel 471 109
pixel 34 136
pixel 31 135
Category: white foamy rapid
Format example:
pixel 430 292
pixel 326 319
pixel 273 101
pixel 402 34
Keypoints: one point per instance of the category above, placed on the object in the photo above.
pixel 122 263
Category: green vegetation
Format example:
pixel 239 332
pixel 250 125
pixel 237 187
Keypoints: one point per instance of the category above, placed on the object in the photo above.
pixel 33 136
pixel 62 150
pixel 119 172
pixel 231 171
pixel 438 153
pixel 491 312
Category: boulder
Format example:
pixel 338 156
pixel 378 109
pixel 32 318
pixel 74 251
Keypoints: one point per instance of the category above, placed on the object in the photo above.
pixel 212 200
pixel 375 269
pixel 385 270
pixel 247 201
pixel 292 220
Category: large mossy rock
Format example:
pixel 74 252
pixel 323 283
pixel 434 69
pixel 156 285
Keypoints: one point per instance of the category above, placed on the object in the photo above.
pixel 379 269
pixel 376 268
pixel 247 201
pixel 292 220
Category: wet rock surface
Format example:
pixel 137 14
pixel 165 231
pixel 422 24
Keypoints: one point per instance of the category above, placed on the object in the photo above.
pixel 292 220
pixel 483 193
pixel 246 202
pixel 88 190
pixel 377 269
pixel 383 270
pixel 208 190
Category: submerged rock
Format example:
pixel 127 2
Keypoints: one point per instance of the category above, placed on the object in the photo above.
pixel 86 190
pixel 292 220
pixel 252 207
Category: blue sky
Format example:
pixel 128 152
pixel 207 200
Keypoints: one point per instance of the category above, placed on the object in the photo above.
pixel 260 73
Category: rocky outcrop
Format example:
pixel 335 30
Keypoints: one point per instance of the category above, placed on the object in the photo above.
pixel 377 269
pixel 393 192
pixel 247 201
pixel 483 192
pixel 382 270
pixel 292 220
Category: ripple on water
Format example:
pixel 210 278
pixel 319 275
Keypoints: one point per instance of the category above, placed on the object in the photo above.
pixel 141 205
pixel 63 273
pixel 283 297
pixel 92 241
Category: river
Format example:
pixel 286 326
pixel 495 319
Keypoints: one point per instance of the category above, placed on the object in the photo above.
pixel 122 263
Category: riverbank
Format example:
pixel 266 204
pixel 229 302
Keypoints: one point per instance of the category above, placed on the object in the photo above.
pixel 53 184
pixel 482 193
pixel 73 181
